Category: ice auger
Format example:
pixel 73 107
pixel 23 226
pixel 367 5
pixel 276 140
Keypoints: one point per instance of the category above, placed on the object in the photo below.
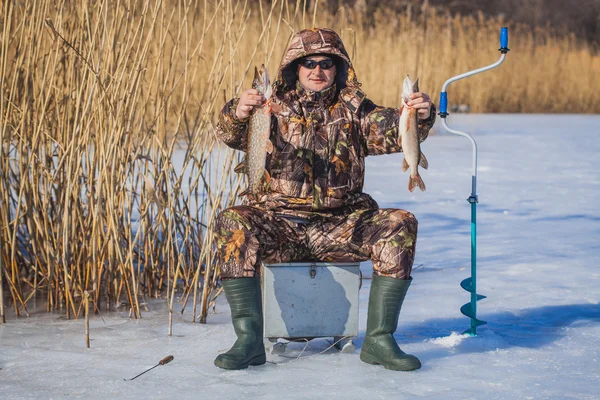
pixel 469 284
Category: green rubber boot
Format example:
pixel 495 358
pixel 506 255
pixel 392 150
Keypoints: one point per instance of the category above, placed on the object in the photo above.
pixel 243 295
pixel 380 347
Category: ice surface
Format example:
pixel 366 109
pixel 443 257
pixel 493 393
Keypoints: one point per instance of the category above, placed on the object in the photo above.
pixel 538 256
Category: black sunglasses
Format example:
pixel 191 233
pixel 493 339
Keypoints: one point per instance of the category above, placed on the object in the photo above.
pixel 312 64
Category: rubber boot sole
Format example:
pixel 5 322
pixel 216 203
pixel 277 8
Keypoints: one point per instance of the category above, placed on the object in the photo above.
pixel 231 365
pixel 403 364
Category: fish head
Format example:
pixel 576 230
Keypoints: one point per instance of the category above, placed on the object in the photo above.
pixel 409 87
pixel 261 81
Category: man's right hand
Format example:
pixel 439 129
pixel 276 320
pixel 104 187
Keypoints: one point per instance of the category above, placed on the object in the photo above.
pixel 248 100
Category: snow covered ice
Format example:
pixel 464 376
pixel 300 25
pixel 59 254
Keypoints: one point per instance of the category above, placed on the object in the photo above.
pixel 538 256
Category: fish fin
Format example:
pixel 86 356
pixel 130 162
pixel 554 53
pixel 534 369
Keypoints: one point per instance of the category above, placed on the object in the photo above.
pixel 423 162
pixel 241 167
pixel 405 165
pixel 415 181
pixel 421 184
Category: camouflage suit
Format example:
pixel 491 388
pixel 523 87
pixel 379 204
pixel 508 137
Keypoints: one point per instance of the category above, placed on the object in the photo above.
pixel 311 205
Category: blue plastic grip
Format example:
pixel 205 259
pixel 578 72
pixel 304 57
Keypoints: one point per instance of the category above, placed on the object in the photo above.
pixel 443 102
pixel 503 38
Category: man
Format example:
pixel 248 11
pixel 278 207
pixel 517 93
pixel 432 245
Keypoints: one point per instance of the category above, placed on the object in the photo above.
pixel 311 205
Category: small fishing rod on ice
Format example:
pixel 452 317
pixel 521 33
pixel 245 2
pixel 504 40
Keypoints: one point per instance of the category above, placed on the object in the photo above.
pixel 470 284
pixel 164 361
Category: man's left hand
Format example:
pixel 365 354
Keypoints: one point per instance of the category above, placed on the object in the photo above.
pixel 422 102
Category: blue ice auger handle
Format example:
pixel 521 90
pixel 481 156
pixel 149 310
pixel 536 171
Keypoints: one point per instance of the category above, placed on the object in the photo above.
pixel 504 40
pixel 443 104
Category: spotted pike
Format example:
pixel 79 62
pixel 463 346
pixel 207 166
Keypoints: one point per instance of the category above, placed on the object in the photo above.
pixel 259 131
pixel 408 129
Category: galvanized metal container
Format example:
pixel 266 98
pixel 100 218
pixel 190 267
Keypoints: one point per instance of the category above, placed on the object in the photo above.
pixel 308 300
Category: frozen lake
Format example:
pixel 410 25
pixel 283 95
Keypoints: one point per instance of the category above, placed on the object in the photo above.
pixel 538 257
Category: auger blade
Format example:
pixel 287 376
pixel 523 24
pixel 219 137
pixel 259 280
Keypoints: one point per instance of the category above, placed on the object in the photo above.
pixel 469 309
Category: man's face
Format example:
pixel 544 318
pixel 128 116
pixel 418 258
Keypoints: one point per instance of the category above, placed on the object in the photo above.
pixel 317 79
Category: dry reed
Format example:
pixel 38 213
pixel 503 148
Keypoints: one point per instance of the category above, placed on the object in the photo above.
pixel 111 176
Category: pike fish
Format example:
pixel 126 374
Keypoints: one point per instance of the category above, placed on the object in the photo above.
pixel 408 130
pixel 259 132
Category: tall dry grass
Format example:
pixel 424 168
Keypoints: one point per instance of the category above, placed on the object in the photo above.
pixel 111 174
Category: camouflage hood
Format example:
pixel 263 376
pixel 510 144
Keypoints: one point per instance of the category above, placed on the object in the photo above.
pixel 315 41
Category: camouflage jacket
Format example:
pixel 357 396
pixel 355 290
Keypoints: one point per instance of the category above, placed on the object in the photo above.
pixel 320 139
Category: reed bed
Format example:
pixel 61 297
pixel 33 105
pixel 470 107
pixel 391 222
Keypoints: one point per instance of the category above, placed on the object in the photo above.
pixel 111 176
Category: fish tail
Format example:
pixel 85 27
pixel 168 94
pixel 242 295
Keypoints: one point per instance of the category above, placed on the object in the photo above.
pixel 415 181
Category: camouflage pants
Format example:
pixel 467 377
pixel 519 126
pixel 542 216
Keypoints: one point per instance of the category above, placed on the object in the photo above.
pixel 247 236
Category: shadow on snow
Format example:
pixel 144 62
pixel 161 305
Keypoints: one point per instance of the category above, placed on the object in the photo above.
pixel 528 328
